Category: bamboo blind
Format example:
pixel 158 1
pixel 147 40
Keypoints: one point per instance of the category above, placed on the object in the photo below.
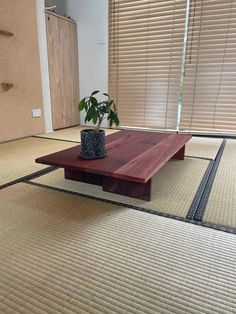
pixel 145 51
pixel 209 102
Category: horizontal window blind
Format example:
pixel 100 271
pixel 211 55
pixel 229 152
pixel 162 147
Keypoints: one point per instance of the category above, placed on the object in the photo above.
pixel 209 101
pixel 145 51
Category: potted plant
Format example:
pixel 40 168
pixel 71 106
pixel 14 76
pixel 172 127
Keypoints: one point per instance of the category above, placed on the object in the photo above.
pixel 93 140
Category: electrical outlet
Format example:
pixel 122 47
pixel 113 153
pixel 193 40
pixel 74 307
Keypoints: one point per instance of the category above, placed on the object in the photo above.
pixel 36 113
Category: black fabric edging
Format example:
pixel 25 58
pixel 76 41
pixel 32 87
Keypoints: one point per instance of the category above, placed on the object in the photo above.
pixel 205 196
pixel 55 139
pixel 149 211
pixel 199 203
pixel 29 177
pixel 195 157
pixel 197 199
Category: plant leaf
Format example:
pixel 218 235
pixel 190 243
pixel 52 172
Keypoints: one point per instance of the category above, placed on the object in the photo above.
pixel 95 92
pixel 94 119
pixel 96 111
pixel 110 122
pixel 116 119
pixel 89 114
pixel 111 117
pixel 81 104
pixel 103 109
pixel 86 106
pixel 94 101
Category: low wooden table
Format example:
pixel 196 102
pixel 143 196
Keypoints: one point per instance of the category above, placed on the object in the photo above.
pixel 133 159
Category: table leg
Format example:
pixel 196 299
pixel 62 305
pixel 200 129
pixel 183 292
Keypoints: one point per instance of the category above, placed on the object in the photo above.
pixel 180 154
pixel 83 177
pixel 127 188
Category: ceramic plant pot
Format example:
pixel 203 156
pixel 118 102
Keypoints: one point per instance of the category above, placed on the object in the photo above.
pixel 92 144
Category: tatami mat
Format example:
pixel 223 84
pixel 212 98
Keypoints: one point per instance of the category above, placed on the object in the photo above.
pixel 203 147
pixel 71 134
pixel 221 206
pixel 173 187
pixel 17 158
pixel 66 254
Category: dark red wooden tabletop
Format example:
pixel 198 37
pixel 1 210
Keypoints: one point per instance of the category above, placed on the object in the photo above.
pixel 132 155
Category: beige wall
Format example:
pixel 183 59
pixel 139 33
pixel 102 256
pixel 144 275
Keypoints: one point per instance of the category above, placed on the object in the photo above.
pixel 19 65
pixel 92 20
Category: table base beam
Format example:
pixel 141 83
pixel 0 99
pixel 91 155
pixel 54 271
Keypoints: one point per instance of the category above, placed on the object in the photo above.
pixel 126 188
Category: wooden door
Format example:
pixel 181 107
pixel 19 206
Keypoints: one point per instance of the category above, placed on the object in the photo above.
pixel 63 70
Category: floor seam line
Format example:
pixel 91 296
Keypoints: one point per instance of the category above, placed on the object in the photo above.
pixel 28 177
pixel 197 198
pixel 148 211
pixel 197 201
pixel 205 196
pixel 55 139
pixel 196 157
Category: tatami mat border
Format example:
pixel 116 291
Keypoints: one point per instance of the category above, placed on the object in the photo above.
pixel 103 200
pixel 194 214
pixel 195 222
pixel 195 157
pixel 55 139
pixel 197 199
pixel 207 190
pixel 29 177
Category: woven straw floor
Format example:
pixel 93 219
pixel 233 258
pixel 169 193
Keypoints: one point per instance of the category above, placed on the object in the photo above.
pixel 221 206
pixel 18 157
pixel 173 187
pixel 66 254
pixel 71 134
pixel 203 147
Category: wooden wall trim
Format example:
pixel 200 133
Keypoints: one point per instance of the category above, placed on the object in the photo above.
pixel 60 16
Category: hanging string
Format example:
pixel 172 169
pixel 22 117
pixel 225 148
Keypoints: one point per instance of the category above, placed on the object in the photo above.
pixel 192 31
pixel 197 62
pixel 170 62
pixel 113 26
pixel 182 71
pixel 117 53
pixel 147 55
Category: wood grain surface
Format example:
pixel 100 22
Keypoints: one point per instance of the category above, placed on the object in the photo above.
pixel 20 66
pixel 63 69
pixel 132 155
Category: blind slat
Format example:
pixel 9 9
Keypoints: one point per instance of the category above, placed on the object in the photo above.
pixel 209 102
pixel 145 52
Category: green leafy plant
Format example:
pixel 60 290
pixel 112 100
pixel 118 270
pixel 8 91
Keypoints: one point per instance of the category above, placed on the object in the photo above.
pixel 98 111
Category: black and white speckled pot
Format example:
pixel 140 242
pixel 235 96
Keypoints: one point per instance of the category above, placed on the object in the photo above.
pixel 92 144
